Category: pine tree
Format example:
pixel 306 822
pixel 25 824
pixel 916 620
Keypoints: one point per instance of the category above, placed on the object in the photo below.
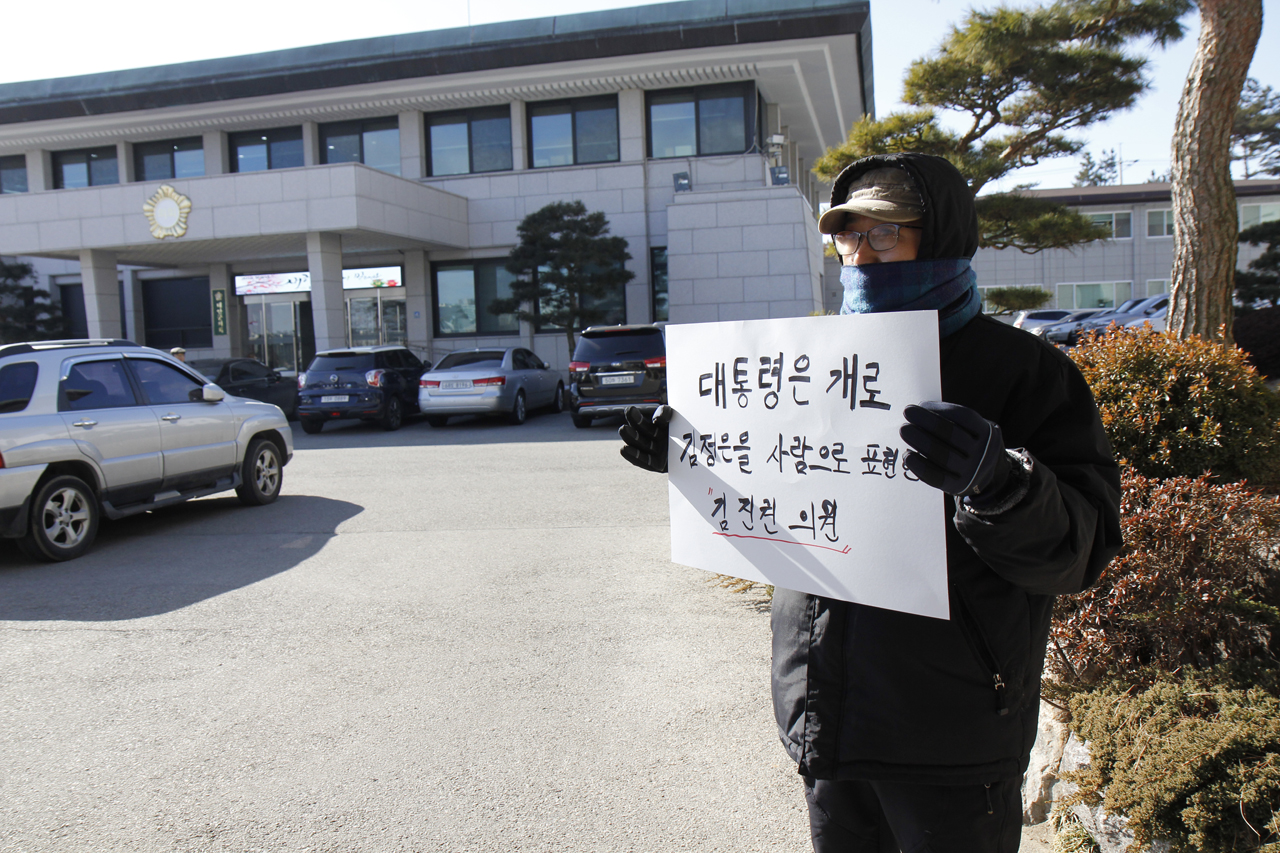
pixel 26 312
pixel 1206 224
pixel 1255 135
pixel 1022 78
pixel 1097 173
pixel 567 263
pixel 1261 281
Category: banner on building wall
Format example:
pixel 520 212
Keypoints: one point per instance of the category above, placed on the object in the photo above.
pixel 785 460
pixel 300 282
pixel 219 311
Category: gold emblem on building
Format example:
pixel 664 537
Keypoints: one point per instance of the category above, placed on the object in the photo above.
pixel 167 212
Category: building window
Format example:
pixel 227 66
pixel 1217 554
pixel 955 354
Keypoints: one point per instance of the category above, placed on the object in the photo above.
pixel 463 293
pixel 177 313
pixel 173 158
pixel 13 174
pixel 91 167
pixel 1256 214
pixel 472 141
pixel 1157 285
pixel 658 274
pixel 570 132
pixel 259 150
pixel 707 120
pixel 1121 224
pixel 1159 223
pixel 375 143
pixel 1094 294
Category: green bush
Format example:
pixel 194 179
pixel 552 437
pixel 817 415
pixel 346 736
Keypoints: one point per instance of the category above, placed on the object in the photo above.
pixel 1197 585
pixel 1183 407
pixel 1194 761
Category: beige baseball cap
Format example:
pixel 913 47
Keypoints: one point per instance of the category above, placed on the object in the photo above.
pixel 887 194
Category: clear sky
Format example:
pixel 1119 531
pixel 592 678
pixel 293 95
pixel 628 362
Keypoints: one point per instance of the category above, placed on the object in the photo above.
pixel 89 37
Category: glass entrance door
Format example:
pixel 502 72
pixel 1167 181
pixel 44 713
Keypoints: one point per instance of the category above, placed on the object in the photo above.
pixel 374 320
pixel 281 333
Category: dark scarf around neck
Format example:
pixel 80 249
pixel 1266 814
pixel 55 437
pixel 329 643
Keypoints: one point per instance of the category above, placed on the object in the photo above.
pixel 948 286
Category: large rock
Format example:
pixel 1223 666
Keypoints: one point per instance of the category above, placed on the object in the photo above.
pixel 1044 770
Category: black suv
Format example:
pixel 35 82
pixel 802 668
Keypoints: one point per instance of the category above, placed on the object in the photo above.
pixel 371 383
pixel 614 367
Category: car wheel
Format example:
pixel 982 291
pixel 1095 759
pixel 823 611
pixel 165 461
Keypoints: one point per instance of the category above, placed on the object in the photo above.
pixel 437 420
pixel 64 520
pixel 311 426
pixel 261 475
pixel 557 405
pixel 581 421
pixel 394 416
pixel 518 412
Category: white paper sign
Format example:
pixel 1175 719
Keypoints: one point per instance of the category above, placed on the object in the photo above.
pixel 785 461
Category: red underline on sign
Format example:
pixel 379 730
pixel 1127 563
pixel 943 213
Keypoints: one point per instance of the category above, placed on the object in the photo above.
pixel 845 550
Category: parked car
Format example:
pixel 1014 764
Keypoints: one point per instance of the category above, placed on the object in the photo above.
pixel 94 428
pixel 614 367
pixel 248 377
pixel 1029 320
pixel 1135 310
pixel 1058 332
pixel 507 382
pixel 1157 319
pixel 377 384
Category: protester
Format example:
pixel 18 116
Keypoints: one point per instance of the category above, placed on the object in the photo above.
pixel 913 733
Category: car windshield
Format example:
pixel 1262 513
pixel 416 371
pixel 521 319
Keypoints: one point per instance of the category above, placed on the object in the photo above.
pixel 463 359
pixel 337 362
pixel 629 345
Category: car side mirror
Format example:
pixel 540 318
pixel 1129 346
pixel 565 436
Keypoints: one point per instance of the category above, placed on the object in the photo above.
pixel 209 393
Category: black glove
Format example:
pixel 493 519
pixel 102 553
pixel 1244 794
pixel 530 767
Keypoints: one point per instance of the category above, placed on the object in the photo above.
pixel 956 450
pixel 646 438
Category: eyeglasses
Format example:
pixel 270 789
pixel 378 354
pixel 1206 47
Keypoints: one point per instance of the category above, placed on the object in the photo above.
pixel 882 238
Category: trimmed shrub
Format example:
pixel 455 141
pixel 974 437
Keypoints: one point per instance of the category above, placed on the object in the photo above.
pixel 1193 761
pixel 1197 585
pixel 1183 407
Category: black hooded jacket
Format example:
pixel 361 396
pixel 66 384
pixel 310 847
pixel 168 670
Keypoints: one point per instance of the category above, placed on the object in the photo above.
pixel 865 693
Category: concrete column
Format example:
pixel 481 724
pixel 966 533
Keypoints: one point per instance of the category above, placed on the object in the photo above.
pixel 519 137
pixel 417 304
pixel 324 262
pixel 631 145
pixel 217 159
pixel 413 145
pixel 124 162
pixel 135 320
pixel 310 144
pixel 233 343
pixel 39 171
pixel 101 283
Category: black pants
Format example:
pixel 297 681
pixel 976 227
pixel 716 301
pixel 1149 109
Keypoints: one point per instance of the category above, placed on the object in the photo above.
pixel 887 817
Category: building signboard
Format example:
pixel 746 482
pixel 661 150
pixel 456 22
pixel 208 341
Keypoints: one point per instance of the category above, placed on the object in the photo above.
pixel 300 282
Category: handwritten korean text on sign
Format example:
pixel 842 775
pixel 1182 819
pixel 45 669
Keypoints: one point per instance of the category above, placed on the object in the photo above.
pixel 785 461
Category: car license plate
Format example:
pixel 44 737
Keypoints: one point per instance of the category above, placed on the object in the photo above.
pixel 455 384
pixel 340 399
pixel 618 379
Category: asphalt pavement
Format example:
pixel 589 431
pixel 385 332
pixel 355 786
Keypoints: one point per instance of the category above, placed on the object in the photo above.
pixel 457 639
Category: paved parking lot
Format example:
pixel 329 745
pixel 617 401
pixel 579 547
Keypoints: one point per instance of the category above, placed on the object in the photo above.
pixel 468 638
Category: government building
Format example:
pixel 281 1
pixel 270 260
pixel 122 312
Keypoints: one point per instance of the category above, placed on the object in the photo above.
pixel 368 192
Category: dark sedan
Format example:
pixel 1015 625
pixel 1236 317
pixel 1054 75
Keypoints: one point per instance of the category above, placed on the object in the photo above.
pixel 248 377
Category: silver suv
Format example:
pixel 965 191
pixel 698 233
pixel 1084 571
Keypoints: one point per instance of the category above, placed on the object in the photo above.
pixel 92 428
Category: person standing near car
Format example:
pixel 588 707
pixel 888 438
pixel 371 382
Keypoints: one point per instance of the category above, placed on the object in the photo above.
pixel 909 732
pixel 179 353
